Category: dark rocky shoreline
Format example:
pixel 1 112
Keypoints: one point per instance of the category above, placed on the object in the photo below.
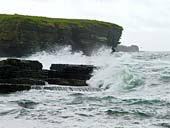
pixel 22 35
pixel 18 75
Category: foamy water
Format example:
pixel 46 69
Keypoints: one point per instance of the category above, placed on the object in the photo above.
pixel 136 94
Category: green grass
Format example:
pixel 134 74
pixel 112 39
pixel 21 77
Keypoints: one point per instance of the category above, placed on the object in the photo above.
pixel 62 23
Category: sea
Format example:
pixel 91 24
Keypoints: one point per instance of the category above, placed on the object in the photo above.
pixel 133 91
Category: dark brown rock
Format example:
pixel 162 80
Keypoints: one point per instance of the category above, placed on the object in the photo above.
pixel 72 68
pixel 8 88
pixel 15 71
pixel 29 74
pixel 21 64
pixel 70 74
pixel 29 81
pixel 69 82
pixel 59 74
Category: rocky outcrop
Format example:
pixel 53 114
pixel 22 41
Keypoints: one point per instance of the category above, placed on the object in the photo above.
pixel 68 82
pixel 122 48
pixel 29 81
pixel 68 74
pixel 21 64
pixel 23 35
pixel 22 74
pixel 8 88
pixel 15 71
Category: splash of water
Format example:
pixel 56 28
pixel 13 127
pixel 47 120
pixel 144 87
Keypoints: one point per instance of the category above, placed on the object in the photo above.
pixel 112 74
pixel 62 56
pixel 115 74
pixel 137 93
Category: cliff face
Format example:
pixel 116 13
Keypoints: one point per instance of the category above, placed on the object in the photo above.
pixel 24 35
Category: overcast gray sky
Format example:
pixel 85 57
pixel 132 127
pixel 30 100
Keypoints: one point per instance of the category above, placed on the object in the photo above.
pixel 146 23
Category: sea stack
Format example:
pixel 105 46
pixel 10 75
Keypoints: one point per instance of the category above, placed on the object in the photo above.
pixel 123 48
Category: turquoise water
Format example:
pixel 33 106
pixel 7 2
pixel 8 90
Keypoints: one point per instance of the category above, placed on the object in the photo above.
pixel 135 93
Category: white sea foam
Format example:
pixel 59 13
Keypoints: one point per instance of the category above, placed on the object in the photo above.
pixel 136 88
pixel 112 73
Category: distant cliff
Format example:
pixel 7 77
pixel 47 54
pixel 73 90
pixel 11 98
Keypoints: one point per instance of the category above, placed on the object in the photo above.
pixel 23 35
pixel 122 48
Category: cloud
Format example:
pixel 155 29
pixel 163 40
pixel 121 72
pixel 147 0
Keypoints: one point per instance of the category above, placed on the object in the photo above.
pixel 141 19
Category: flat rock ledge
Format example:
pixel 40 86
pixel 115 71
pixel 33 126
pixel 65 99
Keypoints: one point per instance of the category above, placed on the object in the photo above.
pixel 19 75
pixel 8 88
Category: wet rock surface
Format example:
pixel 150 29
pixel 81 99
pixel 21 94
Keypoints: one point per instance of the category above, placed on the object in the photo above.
pixel 29 81
pixel 71 68
pixel 20 75
pixel 69 82
pixel 22 64
pixel 69 74
pixel 8 88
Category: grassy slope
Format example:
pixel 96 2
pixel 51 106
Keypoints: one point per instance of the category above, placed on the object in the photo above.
pixel 62 23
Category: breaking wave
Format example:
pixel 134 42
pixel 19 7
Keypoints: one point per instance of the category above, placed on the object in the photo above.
pixel 136 93
pixel 113 72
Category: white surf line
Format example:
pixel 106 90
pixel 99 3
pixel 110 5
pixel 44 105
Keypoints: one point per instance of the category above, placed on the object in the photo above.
pixel 68 88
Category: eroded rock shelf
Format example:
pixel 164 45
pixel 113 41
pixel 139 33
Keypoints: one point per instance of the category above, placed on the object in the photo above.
pixel 18 75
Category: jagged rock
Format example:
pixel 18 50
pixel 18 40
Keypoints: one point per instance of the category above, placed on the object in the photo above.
pixel 69 82
pixel 23 35
pixel 8 88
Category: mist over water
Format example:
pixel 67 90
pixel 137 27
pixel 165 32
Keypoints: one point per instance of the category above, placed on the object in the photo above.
pixel 135 94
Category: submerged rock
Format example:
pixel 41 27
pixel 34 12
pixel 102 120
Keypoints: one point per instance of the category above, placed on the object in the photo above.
pixel 23 35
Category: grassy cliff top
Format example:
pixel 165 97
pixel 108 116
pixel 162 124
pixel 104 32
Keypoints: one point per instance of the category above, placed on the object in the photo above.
pixel 53 21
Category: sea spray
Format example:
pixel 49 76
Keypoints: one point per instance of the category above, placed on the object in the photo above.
pixel 137 94
pixel 60 56
pixel 113 72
